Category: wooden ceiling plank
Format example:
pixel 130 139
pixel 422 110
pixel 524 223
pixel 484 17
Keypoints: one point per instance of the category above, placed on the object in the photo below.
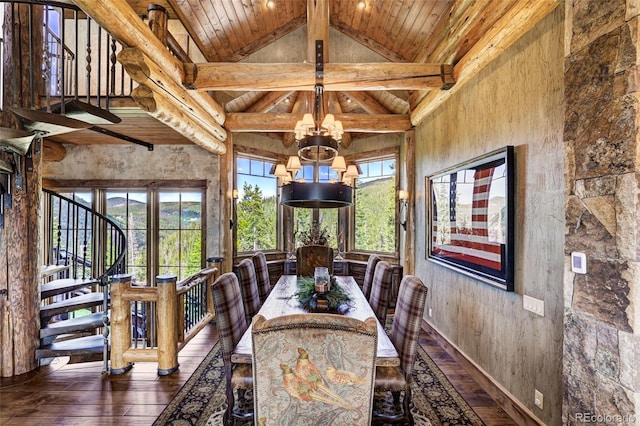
pixel 370 43
pixel 221 27
pixel 379 24
pixel 188 25
pixel 515 23
pixel 369 123
pixel 412 27
pixel 243 102
pixel 239 25
pixel 269 101
pixel 269 77
pixel 272 36
pixel 367 102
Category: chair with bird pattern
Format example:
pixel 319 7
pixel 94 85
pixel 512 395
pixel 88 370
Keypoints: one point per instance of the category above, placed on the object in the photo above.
pixel 407 320
pixel 231 323
pixel 313 369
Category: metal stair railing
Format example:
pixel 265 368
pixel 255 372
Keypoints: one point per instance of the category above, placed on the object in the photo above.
pixel 90 244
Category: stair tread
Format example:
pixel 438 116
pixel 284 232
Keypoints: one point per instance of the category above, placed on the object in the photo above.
pixel 86 322
pixel 16 140
pixel 46 122
pixel 73 303
pixel 79 110
pixel 81 345
pixel 64 285
pixel 48 270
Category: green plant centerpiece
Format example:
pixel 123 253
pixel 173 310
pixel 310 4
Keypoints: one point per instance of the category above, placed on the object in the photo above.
pixel 334 300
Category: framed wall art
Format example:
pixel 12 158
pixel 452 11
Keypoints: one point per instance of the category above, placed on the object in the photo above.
pixel 471 218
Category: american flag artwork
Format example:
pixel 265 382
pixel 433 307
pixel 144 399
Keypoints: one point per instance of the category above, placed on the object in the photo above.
pixel 469 217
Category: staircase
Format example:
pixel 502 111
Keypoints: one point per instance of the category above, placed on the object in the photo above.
pixel 84 249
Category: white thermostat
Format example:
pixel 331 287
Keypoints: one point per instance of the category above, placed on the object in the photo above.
pixel 578 263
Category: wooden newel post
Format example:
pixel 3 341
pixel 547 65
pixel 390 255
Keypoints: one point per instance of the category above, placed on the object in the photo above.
pixel 120 323
pixel 158 18
pixel 167 313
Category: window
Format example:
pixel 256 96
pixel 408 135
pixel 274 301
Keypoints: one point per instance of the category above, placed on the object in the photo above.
pixel 257 205
pixel 375 212
pixel 175 246
pixel 129 211
pixel 179 233
pixel 326 219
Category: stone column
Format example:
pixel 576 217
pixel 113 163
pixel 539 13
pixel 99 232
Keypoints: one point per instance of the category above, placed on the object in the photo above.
pixel 601 363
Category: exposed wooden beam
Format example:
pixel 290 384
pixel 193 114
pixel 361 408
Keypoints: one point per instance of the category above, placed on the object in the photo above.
pixel 159 107
pixel 333 106
pixel 145 71
pixel 300 106
pixel 367 102
pixel 368 123
pixel 364 76
pixel 513 24
pixel 269 101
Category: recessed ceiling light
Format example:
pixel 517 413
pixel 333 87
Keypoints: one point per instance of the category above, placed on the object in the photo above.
pixel 362 4
pixel 271 4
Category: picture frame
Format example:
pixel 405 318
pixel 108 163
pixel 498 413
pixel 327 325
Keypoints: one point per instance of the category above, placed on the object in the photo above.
pixel 471 218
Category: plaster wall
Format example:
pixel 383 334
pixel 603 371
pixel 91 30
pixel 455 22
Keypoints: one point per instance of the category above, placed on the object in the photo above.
pixel 123 162
pixel 516 100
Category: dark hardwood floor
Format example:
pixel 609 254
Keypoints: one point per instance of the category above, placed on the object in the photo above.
pixel 79 394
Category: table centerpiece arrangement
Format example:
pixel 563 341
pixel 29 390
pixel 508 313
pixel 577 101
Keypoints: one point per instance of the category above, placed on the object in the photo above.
pixel 329 298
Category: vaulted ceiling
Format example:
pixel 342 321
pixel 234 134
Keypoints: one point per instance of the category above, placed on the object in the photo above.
pixel 463 35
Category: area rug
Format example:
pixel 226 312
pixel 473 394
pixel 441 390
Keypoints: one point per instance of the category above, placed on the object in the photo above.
pixel 201 401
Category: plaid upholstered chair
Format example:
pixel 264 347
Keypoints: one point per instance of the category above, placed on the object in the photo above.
pixel 231 323
pixel 262 274
pixel 313 369
pixel 405 330
pixel 380 290
pixel 368 275
pixel 249 288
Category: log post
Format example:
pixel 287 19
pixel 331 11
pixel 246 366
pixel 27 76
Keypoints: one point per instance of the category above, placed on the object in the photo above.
pixel 158 18
pixel 167 313
pixel 120 324
pixel 20 251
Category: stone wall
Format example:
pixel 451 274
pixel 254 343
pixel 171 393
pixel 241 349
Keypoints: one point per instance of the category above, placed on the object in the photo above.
pixel 601 360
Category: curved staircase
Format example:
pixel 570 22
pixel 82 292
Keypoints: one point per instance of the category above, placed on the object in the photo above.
pixel 85 250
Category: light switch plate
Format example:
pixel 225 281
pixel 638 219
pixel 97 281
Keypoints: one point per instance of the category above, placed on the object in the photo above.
pixel 534 305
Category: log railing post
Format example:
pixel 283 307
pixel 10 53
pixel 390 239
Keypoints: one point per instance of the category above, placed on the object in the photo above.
pixel 167 308
pixel 158 18
pixel 120 324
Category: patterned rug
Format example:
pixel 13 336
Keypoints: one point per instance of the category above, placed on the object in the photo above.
pixel 201 401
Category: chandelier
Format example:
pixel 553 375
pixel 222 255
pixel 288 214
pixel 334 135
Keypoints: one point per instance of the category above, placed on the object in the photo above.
pixel 318 136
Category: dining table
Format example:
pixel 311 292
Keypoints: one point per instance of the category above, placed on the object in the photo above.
pixel 283 301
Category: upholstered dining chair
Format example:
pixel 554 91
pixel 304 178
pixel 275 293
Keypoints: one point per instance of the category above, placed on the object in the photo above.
pixel 412 294
pixel 313 369
pixel 368 275
pixel 262 275
pixel 231 323
pixel 309 257
pixel 249 288
pixel 380 290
